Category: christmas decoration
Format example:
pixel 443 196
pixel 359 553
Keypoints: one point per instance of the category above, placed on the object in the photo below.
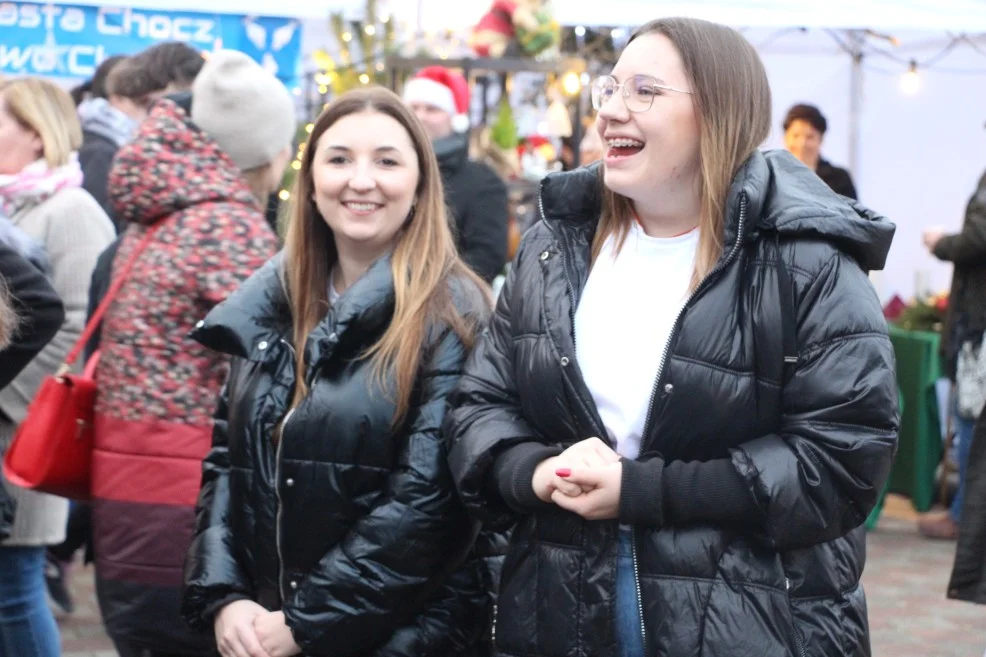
pixel 924 314
pixel 524 27
pixel 439 87
pixel 503 131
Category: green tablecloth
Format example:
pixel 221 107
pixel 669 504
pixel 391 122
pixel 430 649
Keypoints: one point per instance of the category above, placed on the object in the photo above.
pixel 920 445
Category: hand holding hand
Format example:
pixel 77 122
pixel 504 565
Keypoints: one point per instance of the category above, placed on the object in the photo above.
pixel 602 501
pixel 589 453
pixel 275 635
pixel 235 635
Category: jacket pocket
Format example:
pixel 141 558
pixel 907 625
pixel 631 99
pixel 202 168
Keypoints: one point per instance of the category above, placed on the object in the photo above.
pixel 749 619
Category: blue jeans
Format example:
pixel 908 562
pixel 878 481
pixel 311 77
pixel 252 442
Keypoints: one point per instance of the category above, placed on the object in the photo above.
pixel 27 628
pixel 963 439
pixel 629 627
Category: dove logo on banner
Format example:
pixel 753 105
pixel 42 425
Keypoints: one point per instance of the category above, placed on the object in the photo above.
pixel 70 41
pixel 272 42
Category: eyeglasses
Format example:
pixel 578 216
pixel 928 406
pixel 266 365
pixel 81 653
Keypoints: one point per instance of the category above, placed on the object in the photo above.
pixel 638 91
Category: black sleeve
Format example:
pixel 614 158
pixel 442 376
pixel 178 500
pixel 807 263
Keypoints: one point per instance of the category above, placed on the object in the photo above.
pixel 483 237
pixel 969 246
pixel 96 162
pixel 213 575
pixel 39 310
pixel 99 284
pixel 841 183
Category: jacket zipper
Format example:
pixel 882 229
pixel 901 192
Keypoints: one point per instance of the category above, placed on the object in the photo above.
pixel 657 383
pixel 277 492
pixel 797 633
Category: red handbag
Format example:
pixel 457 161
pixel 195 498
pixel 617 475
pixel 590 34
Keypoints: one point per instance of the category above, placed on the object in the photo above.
pixel 52 448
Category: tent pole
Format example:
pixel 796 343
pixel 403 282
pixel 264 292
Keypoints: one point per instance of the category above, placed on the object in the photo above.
pixel 856 39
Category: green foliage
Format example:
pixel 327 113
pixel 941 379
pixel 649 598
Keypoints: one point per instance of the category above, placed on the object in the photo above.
pixel 503 132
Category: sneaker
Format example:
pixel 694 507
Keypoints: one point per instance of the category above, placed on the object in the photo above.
pixel 939 526
pixel 58 585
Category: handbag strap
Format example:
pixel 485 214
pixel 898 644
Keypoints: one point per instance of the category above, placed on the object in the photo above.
pixel 104 305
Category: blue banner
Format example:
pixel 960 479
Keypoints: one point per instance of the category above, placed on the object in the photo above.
pixel 71 40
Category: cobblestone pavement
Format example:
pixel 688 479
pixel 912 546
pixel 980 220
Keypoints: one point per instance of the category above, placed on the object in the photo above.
pixel 905 582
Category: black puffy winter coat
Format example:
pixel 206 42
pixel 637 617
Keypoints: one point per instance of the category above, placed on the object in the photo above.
pixel 776 405
pixel 352 528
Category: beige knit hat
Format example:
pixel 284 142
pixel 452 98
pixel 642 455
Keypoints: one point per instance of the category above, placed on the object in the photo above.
pixel 247 110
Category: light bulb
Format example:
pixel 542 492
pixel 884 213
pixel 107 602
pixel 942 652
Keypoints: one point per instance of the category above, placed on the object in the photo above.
pixel 370 30
pixel 571 82
pixel 910 82
pixel 284 195
pixel 347 37
pixel 364 78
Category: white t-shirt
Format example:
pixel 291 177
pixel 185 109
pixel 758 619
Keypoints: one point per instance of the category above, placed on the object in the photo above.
pixel 623 321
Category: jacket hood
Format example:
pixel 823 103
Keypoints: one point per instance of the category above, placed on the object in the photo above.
pixel 171 166
pixel 781 193
pixel 100 118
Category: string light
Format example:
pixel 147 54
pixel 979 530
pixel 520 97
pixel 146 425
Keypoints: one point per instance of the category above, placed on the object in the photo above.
pixel 370 30
pixel 284 195
pixel 580 31
pixel 571 83
pixel 296 165
pixel 364 78
pixel 309 128
pixel 347 37
pixel 323 89
pixel 910 82
pixel 380 67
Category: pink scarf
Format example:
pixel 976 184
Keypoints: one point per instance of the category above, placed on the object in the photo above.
pixel 36 183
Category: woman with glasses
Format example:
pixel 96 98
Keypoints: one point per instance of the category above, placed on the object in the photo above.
pixel 685 400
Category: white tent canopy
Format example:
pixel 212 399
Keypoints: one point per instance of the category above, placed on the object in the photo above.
pixel 958 15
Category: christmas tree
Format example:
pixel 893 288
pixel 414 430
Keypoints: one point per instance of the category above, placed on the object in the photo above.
pixel 503 132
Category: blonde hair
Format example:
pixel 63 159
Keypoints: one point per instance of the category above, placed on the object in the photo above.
pixel 733 106
pixel 260 181
pixel 47 110
pixel 424 262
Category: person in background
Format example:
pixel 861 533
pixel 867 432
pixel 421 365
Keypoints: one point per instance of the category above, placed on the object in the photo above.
pixel 965 326
pixel 804 130
pixel 30 315
pixel 476 195
pixel 132 85
pixel 108 121
pixel 328 522
pixel 968 578
pixel 41 192
pixel 162 69
pixel 686 398
pixel 200 181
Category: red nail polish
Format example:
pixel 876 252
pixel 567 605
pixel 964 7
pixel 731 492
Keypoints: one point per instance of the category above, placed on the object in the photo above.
pixel 563 472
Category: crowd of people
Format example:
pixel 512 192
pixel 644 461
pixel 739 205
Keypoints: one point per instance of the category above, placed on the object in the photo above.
pixel 339 441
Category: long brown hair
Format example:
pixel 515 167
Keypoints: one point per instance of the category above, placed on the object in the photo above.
pixel 733 106
pixel 424 262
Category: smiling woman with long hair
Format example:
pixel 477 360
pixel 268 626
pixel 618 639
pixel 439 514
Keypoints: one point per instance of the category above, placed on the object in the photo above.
pixel 328 522
pixel 686 399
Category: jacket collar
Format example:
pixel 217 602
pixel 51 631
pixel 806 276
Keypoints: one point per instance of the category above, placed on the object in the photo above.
pixel 257 315
pixel 780 193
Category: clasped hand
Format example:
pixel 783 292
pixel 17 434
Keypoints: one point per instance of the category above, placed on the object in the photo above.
pixel 584 479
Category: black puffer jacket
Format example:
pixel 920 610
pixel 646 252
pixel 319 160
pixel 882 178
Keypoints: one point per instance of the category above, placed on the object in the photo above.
pixel 350 527
pixel 769 562
pixel 966 317
pixel 477 199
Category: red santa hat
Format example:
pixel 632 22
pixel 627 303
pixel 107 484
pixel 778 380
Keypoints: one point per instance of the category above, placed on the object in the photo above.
pixel 443 89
